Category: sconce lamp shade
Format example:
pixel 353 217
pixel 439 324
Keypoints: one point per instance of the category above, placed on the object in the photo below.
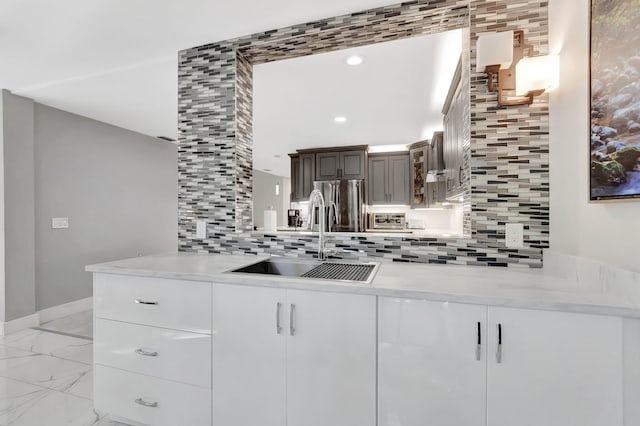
pixel 538 73
pixel 494 49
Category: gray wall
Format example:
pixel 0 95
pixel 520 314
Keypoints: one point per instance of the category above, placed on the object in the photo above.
pixel 19 252
pixel 264 195
pixel 2 286
pixel 118 189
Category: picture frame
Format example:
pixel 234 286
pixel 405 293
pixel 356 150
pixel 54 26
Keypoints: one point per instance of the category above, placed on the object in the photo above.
pixel 614 93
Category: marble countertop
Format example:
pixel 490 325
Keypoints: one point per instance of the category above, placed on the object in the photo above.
pixel 508 287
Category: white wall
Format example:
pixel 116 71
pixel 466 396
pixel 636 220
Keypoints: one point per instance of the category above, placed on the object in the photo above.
pixel 264 195
pixel 2 281
pixel 607 232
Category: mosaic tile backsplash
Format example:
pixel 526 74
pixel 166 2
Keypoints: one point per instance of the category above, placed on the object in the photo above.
pixel 506 155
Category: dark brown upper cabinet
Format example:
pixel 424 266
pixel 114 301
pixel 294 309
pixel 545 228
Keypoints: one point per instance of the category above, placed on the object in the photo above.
pixel 348 164
pixel 389 176
pixel 303 171
pixel 454 111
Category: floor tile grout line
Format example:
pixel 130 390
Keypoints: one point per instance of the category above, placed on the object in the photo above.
pixel 47 354
pixel 44 387
pixel 62 333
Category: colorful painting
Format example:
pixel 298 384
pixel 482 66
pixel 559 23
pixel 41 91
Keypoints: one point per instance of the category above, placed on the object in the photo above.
pixel 615 99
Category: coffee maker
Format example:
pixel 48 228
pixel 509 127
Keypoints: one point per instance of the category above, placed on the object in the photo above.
pixel 293 218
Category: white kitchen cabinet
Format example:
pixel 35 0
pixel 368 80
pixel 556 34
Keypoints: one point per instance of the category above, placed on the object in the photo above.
pixel 148 400
pixel 249 356
pixel 537 368
pixel 176 304
pixel 160 352
pixel 293 357
pixel 431 363
pixel 631 361
pixel 152 339
pixel 331 359
pixel 553 369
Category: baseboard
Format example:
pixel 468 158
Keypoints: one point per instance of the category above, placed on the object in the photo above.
pixel 19 324
pixel 55 312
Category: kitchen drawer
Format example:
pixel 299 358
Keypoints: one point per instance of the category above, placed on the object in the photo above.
pixel 117 391
pixel 160 352
pixel 176 304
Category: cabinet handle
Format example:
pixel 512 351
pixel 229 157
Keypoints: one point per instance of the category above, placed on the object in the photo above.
pixel 278 326
pixel 143 302
pixel 145 353
pixel 479 343
pixel 144 403
pixel 499 350
pixel 292 328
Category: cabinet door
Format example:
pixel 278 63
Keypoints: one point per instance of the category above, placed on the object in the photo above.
pixel 556 369
pixel 327 165
pixel 453 142
pixel 249 386
pixel 296 179
pixel 331 359
pixel 377 182
pixel 352 165
pixel 398 185
pixel 431 369
pixel 307 175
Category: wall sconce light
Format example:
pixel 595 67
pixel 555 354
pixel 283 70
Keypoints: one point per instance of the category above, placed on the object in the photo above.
pixel 501 57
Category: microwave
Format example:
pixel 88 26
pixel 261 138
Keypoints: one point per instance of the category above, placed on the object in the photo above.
pixel 387 221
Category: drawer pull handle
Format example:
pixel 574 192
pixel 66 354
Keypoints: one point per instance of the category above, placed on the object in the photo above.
pixel 143 302
pixel 278 326
pixel 145 353
pixel 499 350
pixel 292 328
pixel 479 343
pixel 144 403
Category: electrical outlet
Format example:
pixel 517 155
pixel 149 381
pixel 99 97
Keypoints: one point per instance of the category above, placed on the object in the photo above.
pixel 514 235
pixel 201 229
pixel 59 222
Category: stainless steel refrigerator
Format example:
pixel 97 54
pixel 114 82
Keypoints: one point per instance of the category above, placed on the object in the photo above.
pixel 344 205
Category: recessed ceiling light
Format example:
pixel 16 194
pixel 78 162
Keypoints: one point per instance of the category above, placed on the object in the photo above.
pixel 354 60
pixel 276 156
pixel 340 119
pixel 267 170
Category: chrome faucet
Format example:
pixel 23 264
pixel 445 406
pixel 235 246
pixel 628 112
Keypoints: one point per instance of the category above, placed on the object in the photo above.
pixel 317 200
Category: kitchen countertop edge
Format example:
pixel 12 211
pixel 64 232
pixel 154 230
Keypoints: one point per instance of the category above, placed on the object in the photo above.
pixel 556 293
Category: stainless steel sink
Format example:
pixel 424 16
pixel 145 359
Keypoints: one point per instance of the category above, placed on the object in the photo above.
pixel 332 271
pixel 278 267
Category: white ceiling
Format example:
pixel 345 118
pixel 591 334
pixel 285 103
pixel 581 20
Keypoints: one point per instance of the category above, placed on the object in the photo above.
pixel 394 97
pixel 115 60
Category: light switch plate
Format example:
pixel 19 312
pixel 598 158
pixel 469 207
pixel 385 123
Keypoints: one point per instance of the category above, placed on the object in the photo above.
pixel 514 235
pixel 201 229
pixel 59 222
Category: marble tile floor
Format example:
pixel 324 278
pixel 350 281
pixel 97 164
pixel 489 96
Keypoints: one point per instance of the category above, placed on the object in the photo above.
pixel 46 378
pixel 79 325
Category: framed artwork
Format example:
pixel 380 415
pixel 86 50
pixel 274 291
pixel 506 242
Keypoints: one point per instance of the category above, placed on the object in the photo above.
pixel 615 99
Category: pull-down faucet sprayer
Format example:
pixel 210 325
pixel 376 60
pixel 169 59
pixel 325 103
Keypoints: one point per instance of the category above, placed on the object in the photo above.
pixel 317 200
